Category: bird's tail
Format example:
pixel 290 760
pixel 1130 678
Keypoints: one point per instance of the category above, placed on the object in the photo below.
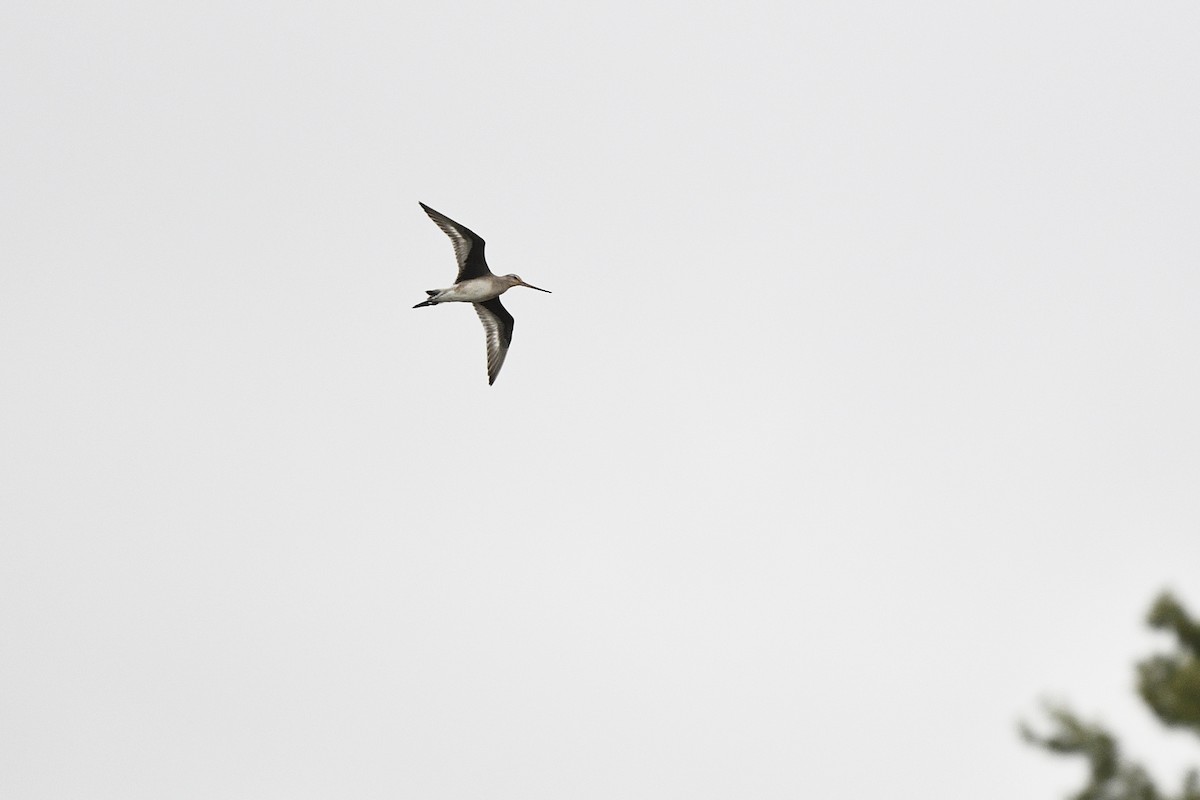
pixel 430 301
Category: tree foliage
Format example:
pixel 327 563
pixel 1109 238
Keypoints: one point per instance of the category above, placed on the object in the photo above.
pixel 1170 685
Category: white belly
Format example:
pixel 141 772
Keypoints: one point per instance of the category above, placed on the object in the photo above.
pixel 476 290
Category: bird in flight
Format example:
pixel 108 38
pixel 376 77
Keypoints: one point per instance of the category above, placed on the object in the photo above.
pixel 477 285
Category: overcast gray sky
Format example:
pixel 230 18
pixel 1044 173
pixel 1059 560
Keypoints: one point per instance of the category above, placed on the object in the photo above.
pixel 862 416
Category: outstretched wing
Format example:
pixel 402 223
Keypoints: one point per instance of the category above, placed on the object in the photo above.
pixel 498 326
pixel 468 247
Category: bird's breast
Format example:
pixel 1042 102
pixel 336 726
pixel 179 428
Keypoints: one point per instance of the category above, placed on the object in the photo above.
pixel 475 290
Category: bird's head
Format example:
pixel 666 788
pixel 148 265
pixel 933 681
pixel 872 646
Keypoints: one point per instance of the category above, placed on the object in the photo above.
pixel 515 280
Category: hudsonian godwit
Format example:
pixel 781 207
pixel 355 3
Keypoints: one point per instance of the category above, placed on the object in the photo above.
pixel 477 285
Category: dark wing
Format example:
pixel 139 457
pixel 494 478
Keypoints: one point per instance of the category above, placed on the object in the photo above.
pixel 498 325
pixel 468 247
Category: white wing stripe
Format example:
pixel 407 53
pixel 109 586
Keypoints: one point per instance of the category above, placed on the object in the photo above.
pixel 496 351
pixel 462 245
